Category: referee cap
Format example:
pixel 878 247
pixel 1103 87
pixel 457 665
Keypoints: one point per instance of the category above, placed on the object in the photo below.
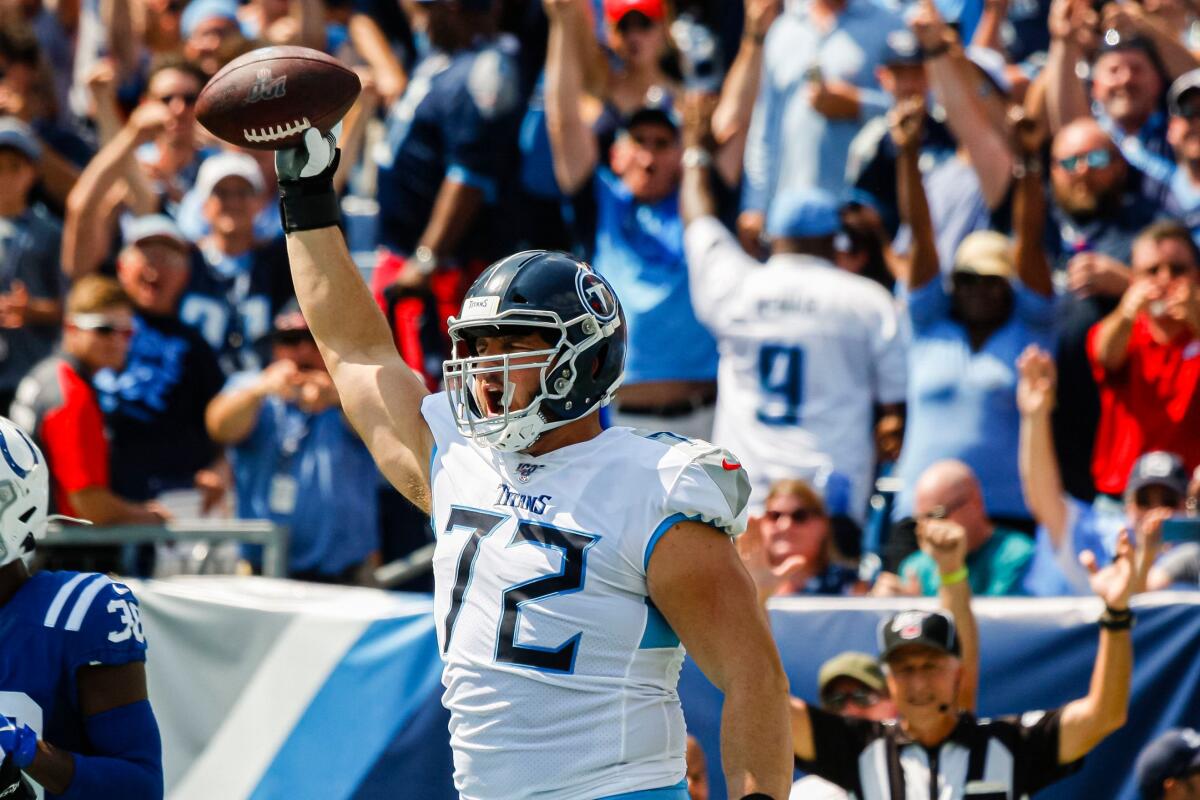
pixel 928 628
pixel 1174 754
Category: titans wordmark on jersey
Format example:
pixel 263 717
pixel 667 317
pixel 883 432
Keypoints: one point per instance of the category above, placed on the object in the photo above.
pixel 56 623
pixel 560 674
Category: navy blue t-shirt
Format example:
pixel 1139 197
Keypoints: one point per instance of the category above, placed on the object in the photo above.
pixel 457 119
pixel 231 301
pixel 154 408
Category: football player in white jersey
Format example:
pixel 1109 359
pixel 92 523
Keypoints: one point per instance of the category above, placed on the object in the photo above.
pixel 571 561
pixel 811 355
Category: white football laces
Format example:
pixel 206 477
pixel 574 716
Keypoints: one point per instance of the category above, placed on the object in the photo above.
pixel 277 132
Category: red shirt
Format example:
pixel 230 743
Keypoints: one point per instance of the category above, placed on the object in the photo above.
pixel 60 406
pixel 1150 403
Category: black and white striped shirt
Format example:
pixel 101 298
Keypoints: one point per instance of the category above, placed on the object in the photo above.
pixel 1008 758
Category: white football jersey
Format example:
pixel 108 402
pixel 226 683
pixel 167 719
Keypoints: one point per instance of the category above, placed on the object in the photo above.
pixel 560 674
pixel 806 350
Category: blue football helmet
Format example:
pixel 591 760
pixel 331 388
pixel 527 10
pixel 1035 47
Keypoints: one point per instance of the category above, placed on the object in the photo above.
pixel 578 314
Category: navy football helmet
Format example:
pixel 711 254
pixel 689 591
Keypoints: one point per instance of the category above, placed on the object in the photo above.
pixel 574 309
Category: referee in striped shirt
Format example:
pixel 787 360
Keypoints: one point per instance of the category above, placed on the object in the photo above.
pixel 934 745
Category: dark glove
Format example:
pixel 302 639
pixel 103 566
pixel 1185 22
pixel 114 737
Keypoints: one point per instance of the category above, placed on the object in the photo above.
pixel 306 196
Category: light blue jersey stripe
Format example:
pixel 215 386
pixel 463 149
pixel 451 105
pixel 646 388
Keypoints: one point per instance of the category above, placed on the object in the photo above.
pixel 677 792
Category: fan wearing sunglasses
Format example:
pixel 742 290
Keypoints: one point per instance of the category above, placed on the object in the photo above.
pixel 57 403
pixel 790 548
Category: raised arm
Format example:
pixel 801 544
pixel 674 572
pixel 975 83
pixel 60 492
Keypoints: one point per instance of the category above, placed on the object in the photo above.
pixel 1086 721
pixel 1172 53
pixel 1029 205
pixel 1041 480
pixel 86 232
pixel 991 23
pixel 726 632
pixel 380 394
pixel 955 83
pixel 1071 23
pixel 696 198
pixel 354 127
pixel 946 543
pixel 731 118
pixel 906 122
pixel 572 143
pixel 309 16
pixel 1113 332
pixel 371 43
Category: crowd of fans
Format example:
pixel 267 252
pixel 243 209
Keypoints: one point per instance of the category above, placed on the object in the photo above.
pixel 906 260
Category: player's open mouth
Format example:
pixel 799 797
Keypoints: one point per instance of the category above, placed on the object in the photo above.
pixel 493 401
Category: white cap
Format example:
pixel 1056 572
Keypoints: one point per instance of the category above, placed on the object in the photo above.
pixel 228 165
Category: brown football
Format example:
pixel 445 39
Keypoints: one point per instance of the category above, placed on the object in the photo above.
pixel 268 97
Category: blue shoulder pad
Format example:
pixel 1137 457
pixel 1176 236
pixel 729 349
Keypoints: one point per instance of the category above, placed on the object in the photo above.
pixel 99 620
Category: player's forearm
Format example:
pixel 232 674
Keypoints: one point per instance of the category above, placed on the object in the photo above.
pixel 52 768
pixel 339 309
pixel 755 736
pixel 100 776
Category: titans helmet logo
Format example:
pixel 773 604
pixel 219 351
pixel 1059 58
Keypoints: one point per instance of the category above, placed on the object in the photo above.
pixel 596 295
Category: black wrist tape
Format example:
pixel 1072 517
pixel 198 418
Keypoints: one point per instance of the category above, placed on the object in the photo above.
pixel 309 203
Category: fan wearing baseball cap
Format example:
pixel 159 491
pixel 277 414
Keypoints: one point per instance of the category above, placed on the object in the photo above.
pixel 637 34
pixel 1169 767
pixel 1015 756
pixel 671 364
pixel 1156 488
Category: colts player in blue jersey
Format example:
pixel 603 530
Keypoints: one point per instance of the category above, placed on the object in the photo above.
pixel 74 712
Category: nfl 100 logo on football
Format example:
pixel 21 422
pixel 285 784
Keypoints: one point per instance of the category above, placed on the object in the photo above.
pixel 266 87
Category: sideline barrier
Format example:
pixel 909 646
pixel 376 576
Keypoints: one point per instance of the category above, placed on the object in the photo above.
pixel 276 689
pixel 272 537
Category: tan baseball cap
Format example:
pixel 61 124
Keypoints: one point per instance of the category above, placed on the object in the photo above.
pixel 986 253
pixel 861 667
